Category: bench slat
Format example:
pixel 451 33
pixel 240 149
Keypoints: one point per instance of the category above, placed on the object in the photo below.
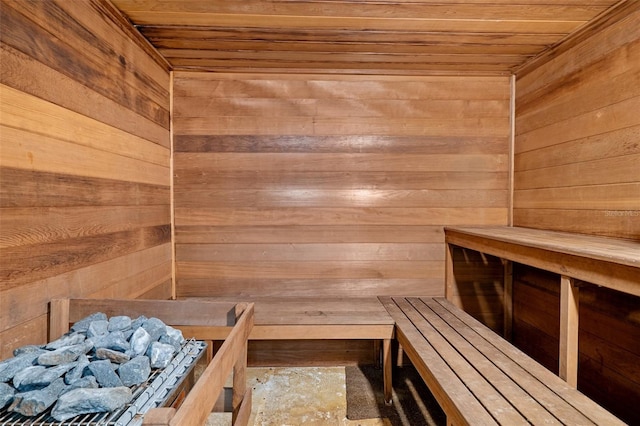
pixel 550 405
pixel 489 397
pixel 520 399
pixel 581 402
pixel 442 381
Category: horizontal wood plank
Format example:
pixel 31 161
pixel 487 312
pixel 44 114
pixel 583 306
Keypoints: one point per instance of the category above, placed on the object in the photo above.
pixel 228 85
pixel 207 234
pixel 338 125
pixel 321 287
pixel 28 188
pixel 352 162
pixel 32 226
pixel 340 216
pixel 338 143
pixel 342 252
pixel 310 270
pixel 24 264
pixel 374 198
pixel 31 151
pixel 469 10
pixel 623 196
pixel 616 170
pixel 343 179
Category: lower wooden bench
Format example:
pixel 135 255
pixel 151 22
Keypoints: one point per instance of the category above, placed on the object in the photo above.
pixel 479 378
pixel 325 318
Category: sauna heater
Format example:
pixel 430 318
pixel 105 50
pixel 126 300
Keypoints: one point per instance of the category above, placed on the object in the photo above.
pixel 164 387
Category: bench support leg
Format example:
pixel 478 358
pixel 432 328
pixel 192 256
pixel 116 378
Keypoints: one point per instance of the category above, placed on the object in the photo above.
pixel 387 371
pixel 449 276
pixel 507 301
pixel 569 296
pixel 377 353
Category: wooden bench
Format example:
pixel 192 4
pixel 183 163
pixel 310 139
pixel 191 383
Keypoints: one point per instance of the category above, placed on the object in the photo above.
pixel 608 262
pixel 203 320
pixel 311 318
pixel 479 378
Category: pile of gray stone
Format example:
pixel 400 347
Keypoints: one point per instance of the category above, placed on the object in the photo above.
pixel 91 369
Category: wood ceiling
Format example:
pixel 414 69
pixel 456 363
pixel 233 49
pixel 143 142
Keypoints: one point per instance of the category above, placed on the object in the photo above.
pixel 359 36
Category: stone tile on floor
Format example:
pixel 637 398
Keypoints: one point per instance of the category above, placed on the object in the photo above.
pixel 298 396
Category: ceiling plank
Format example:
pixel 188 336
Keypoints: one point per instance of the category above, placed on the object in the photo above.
pixel 522 11
pixel 353 23
pixel 396 37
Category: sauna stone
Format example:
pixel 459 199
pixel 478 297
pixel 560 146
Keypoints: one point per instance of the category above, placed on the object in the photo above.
pixel 66 340
pixel 38 377
pixel 127 334
pixel 28 349
pixel 104 374
pixel 83 324
pixel 169 341
pixel 11 366
pixel 155 328
pixel 119 323
pixel 111 355
pixel 6 394
pixel 24 379
pixel 98 328
pixel 87 382
pixel 115 341
pixel 136 323
pixel 84 401
pixel 160 354
pixel 77 372
pixel 65 354
pixel 135 371
pixel 35 402
pixel 172 337
pixel 140 341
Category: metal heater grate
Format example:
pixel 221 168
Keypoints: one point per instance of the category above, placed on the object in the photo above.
pixel 155 392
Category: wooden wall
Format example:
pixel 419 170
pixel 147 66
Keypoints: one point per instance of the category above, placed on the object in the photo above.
pixel 577 154
pixel 313 185
pixel 577 169
pixel 609 336
pixel 84 169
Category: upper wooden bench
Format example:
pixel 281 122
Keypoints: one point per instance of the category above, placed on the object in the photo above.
pixel 607 262
pixel 479 378
pixel 323 318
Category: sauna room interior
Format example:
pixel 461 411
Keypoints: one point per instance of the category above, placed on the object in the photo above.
pixel 319 153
